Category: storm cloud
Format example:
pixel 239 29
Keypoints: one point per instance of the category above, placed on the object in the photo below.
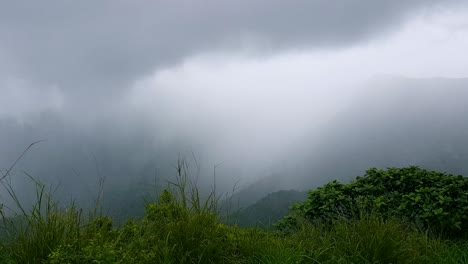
pixel 261 87
pixel 90 49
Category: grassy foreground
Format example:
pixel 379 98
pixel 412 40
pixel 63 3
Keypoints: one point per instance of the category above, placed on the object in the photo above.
pixel 183 227
pixel 172 232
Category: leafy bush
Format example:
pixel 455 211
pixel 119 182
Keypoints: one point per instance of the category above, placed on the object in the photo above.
pixel 169 233
pixel 428 199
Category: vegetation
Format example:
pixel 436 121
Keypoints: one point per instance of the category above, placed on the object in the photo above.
pixel 183 226
pixel 427 199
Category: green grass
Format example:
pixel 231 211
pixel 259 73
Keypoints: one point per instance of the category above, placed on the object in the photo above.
pixel 173 233
pixel 183 226
pixel 30 235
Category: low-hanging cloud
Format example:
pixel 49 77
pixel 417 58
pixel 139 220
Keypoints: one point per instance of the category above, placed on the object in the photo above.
pixel 252 84
pixel 93 50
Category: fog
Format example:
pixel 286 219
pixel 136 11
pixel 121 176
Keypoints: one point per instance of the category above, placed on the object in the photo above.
pixel 274 95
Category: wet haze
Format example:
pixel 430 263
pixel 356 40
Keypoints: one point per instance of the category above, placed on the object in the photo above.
pixel 121 88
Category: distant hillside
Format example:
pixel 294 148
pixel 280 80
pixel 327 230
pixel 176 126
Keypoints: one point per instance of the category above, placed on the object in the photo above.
pixel 268 210
pixel 258 189
pixel 395 122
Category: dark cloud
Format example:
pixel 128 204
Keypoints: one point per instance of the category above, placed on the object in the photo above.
pixel 67 65
pixel 88 47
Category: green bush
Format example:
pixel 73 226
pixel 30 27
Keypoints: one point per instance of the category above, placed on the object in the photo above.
pixel 427 199
pixel 169 233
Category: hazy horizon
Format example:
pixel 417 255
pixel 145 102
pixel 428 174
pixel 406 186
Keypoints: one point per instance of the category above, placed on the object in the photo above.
pixel 256 88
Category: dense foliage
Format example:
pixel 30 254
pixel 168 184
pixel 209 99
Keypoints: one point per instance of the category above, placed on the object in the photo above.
pixel 182 227
pixel 172 233
pixel 168 232
pixel 428 199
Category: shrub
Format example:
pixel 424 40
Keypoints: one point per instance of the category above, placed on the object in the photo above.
pixel 427 199
pixel 169 233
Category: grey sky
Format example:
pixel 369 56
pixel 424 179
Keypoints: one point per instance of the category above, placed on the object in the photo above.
pixel 93 47
pixel 242 81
